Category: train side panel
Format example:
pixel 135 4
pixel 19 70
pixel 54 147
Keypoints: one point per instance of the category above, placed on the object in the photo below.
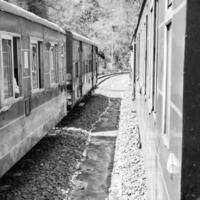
pixel 160 40
pixel 26 117
pixel 82 75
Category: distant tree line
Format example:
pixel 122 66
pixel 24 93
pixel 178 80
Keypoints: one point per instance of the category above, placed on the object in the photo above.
pixel 94 19
pixel 39 7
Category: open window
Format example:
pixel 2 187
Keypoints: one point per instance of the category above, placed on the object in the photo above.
pixel 11 68
pixel 37 74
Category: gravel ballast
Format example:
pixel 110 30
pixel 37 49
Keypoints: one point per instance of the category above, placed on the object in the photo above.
pixel 128 180
pixel 45 172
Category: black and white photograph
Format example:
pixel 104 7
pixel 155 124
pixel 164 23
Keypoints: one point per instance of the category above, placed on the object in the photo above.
pixel 100 100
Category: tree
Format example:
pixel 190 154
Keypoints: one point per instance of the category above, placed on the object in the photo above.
pixel 93 19
pixel 37 7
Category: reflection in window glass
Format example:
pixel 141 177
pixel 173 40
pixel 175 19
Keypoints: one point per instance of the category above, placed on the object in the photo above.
pixel 7 68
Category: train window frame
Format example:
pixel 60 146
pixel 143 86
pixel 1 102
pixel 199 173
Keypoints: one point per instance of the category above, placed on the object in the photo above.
pixel 56 82
pixel 76 69
pixel 156 50
pixel 34 40
pixel 166 85
pixel 12 99
pixel 150 75
pixel 63 63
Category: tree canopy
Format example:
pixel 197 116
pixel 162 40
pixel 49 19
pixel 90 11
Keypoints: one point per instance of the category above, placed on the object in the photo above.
pixel 109 22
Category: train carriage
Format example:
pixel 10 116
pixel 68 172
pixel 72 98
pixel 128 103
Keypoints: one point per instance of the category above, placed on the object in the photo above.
pixel 32 81
pixel 166 79
pixel 81 67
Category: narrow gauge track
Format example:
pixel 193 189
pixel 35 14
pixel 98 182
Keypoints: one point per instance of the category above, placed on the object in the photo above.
pixel 103 78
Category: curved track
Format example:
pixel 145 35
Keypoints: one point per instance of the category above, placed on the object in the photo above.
pixel 103 78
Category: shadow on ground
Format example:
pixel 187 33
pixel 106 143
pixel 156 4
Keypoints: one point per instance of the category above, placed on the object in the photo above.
pixel 86 113
pixel 45 172
pixel 94 176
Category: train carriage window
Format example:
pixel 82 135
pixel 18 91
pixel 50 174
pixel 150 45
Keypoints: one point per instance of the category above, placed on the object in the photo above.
pixel 166 106
pixel 17 66
pixel 53 58
pixel 35 71
pixel 146 53
pixel 52 73
pixel 155 56
pixel 41 68
pixel 8 81
pixel 83 67
pixel 76 69
pixel 56 62
pixel 36 61
pixel 86 67
pixel 63 63
pixel 11 62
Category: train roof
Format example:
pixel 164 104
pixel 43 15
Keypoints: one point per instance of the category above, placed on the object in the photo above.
pixel 83 38
pixel 16 10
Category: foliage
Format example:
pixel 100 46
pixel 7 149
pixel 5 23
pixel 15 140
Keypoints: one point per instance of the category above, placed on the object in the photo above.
pixel 94 19
pixel 37 7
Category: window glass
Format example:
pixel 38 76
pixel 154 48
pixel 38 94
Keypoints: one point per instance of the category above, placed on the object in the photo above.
pixel 40 65
pixel 7 68
pixel 55 54
pixel 167 76
pixel 52 70
pixel 62 63
pixel 17 68
pixel 76 68
pixel 35 68
pixel 53 63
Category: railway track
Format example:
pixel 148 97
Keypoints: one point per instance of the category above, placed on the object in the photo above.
pixel 103 78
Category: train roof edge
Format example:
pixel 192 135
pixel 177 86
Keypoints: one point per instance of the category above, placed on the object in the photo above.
pixel 83 38
pixel 16 10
